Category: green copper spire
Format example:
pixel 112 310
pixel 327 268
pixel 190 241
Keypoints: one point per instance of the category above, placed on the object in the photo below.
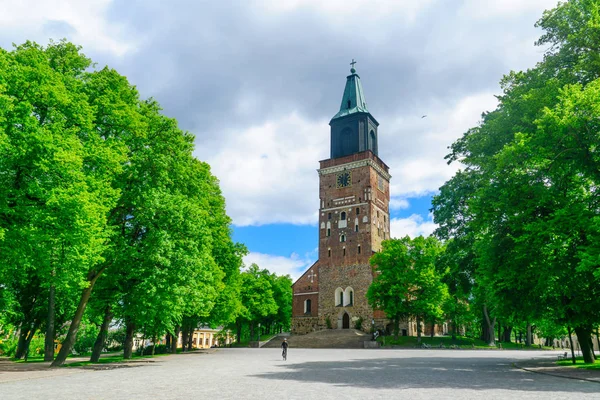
pixel 353 100
pixel 353 128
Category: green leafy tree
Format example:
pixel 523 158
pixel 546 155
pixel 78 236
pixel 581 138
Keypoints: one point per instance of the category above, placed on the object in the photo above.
pixel 532 171
pixel 56 171
pixel 257 297
pixel 407 282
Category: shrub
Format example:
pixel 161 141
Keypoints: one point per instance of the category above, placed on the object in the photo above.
pixel 115 339
pixel 8 347
pixel 86 338
pixel 358 323
pixel 36 346
pixel 328 323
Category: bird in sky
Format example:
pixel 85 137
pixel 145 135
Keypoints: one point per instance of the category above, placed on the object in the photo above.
pixel 423 116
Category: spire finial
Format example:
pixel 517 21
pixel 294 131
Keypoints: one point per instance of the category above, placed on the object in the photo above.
pixel 352 70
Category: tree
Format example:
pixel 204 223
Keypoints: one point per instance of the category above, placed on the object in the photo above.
pixel 533 171
pixel 56 171
pixel 407 282
pixel 257 299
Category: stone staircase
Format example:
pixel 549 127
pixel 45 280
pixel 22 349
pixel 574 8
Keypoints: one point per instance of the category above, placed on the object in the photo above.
pixel 325 339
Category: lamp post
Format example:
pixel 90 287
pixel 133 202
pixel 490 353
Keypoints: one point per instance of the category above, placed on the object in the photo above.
pixel 373 328
pixel 258 332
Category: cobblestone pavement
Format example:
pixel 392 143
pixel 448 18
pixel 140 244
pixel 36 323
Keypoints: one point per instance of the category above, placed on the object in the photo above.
pixel 312 374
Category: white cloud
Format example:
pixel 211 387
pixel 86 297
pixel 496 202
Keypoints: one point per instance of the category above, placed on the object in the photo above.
pixel 412 226
pixel 339 10
pixel 398 203
pixel 416 147
pixel 83 22
pixel 268 172
pixel 504 8
pixel 294 265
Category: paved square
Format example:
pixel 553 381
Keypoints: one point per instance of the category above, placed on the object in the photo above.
pixel 312 374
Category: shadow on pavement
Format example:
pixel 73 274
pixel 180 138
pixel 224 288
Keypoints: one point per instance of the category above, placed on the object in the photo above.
pixel 418 372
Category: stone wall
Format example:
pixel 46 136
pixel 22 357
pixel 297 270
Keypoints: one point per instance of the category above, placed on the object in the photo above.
pixel 358 277
pixel 304 325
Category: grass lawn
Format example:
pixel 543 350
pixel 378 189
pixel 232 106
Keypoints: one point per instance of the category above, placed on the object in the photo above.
pixel 104 359
pixel 446 341
pixel 111 359
pixel 579 364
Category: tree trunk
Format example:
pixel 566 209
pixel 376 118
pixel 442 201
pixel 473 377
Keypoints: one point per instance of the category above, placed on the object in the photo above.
pixel 529 336
pixel 238 333
pixel 571 343
pixel 67 345
pixel 251 331
pixel 184 338
pixel 499 332
pixel 506 334
pixel 418 329
pixel 22 342
pixel 583 337
pixel 190 338
pixel 598 340
pixel 128 345
pixel 491 339
pixel 50 329
pixel 168 340
pixel 28 341
pixel 101 338
pixel 396 323
pixel 174 340
pixel 454 328
pixel 432 329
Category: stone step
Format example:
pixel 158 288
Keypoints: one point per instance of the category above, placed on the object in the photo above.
pixel 325 339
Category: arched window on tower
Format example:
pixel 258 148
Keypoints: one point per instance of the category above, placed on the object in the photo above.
pixel 328 228
pixel 342 238
pixel 343 216
pixel 356 224
pixel 349 104
pixel 373 140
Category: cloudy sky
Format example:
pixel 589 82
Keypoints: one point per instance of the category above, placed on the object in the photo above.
pixel 257 82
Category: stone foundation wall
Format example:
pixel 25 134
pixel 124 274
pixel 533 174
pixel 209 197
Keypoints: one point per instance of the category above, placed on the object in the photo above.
pixel 304 325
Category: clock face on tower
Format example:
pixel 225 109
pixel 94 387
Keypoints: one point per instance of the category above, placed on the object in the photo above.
pixel 344 179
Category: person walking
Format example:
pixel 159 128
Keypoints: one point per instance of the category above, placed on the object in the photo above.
pixel 284 346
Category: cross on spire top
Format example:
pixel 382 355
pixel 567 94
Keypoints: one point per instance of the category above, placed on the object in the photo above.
pixel 352 64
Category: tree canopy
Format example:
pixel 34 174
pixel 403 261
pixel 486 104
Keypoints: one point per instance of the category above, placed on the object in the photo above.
pixel 105 214
pixel 523 210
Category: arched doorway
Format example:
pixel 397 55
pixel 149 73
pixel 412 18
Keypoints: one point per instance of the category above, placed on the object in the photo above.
pixel 346 321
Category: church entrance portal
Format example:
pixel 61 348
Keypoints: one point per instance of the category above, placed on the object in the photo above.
pixel 346 321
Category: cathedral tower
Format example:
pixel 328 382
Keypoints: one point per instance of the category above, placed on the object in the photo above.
pixel 353 221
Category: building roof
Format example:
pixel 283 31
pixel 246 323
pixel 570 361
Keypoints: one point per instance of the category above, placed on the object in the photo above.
pixel 353 100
